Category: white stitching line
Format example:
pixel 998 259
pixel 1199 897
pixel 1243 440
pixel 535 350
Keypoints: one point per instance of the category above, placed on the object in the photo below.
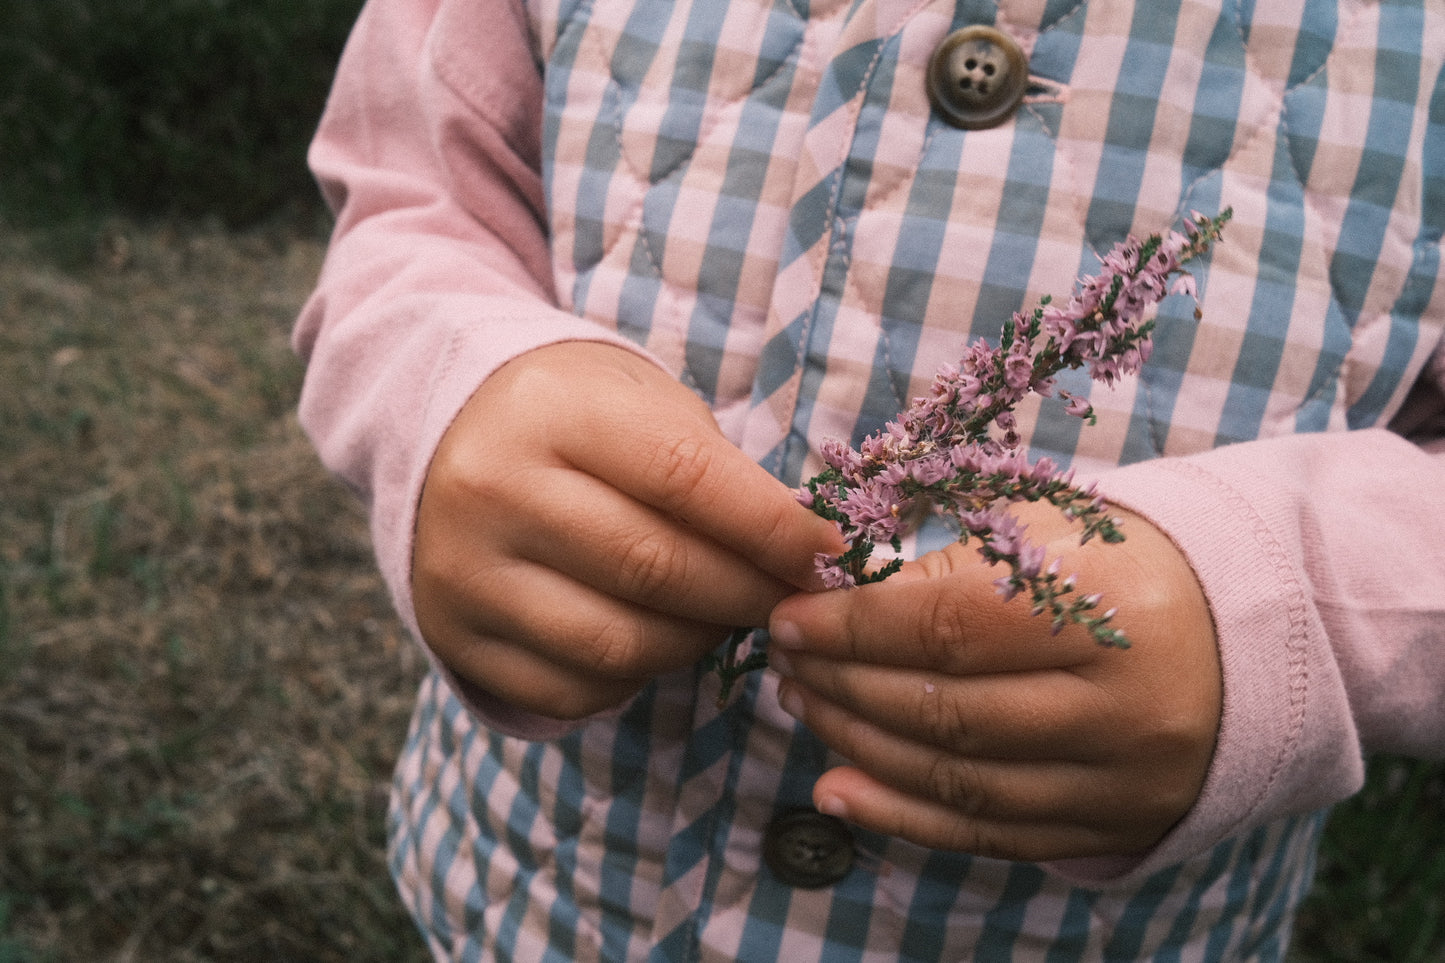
pixel 1297 663
pixel 830 233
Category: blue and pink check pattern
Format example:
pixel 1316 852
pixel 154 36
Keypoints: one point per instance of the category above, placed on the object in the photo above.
pixel 757 192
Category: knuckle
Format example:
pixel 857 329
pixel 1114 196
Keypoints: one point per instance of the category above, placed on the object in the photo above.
pixel 683 468
pixel 1175 733
pixel 946 720
pixel 532 382
pixel 614 650
pixel 982 839
pixel 463 475
pixel 453 476
pixel 991 842
pixel 448 596
pixel 774 524
pixel 955 784
pixel 943 629
pixel 1179 736
pixel 648 567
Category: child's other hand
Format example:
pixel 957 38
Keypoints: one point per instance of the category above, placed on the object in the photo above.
pixel 970 727
pixel 584 527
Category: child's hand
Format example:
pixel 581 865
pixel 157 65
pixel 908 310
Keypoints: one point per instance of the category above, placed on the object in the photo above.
pixel 970 727
pixel 584 527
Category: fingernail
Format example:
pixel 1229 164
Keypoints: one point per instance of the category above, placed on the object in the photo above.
pixel 786 634
pixel 791 702
pixel 832 806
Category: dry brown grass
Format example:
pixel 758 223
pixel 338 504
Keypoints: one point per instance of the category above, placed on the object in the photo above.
pixel 202 686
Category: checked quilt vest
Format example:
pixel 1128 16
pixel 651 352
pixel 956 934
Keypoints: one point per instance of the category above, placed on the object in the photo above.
pixel 759 192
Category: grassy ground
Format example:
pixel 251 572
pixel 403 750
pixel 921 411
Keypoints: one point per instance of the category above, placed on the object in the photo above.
pixel 202 687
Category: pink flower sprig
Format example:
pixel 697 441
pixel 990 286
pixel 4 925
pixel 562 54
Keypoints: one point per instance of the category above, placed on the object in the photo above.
pixel 957 448
pixel 956 451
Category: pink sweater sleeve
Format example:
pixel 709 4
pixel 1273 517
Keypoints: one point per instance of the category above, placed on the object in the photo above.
pixel 1323 559
pixel 438 271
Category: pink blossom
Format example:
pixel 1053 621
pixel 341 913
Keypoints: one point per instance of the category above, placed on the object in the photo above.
pixel 1007 587
pixel 1078 407
pixel 834 576
pixel 1030 560
pixel 959 447
pixel 930 469
pixel 838 455
pixel 874 510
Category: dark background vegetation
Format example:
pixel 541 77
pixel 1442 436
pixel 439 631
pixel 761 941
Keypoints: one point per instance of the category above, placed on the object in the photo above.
pixel 202 686
pixel 197 108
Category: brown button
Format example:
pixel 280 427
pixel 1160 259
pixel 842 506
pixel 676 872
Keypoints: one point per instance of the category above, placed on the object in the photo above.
pixel 977 77
pixel 808 849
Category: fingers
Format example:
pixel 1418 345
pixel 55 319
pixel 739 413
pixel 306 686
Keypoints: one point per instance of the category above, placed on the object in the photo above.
pixel 969 725
pixel 941 613
pixel 935 796
pixel 712 487
pixel 576 654
pixel 859 798
pixel 1010 716
pixel 584 520
pixel 527 681
pixel 578 526
pixel 640 432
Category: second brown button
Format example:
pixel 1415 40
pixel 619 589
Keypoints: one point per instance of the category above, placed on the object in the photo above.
pixel 977 77
pixel 808 849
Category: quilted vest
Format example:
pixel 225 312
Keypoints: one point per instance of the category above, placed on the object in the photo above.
pixel 759 192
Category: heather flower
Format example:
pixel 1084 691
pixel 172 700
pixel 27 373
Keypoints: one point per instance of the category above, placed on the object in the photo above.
pixel 957 449
pixel 831 572
pixel 873 509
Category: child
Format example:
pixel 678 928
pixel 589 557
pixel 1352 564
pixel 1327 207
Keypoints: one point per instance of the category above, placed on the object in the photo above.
pixel 605 275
